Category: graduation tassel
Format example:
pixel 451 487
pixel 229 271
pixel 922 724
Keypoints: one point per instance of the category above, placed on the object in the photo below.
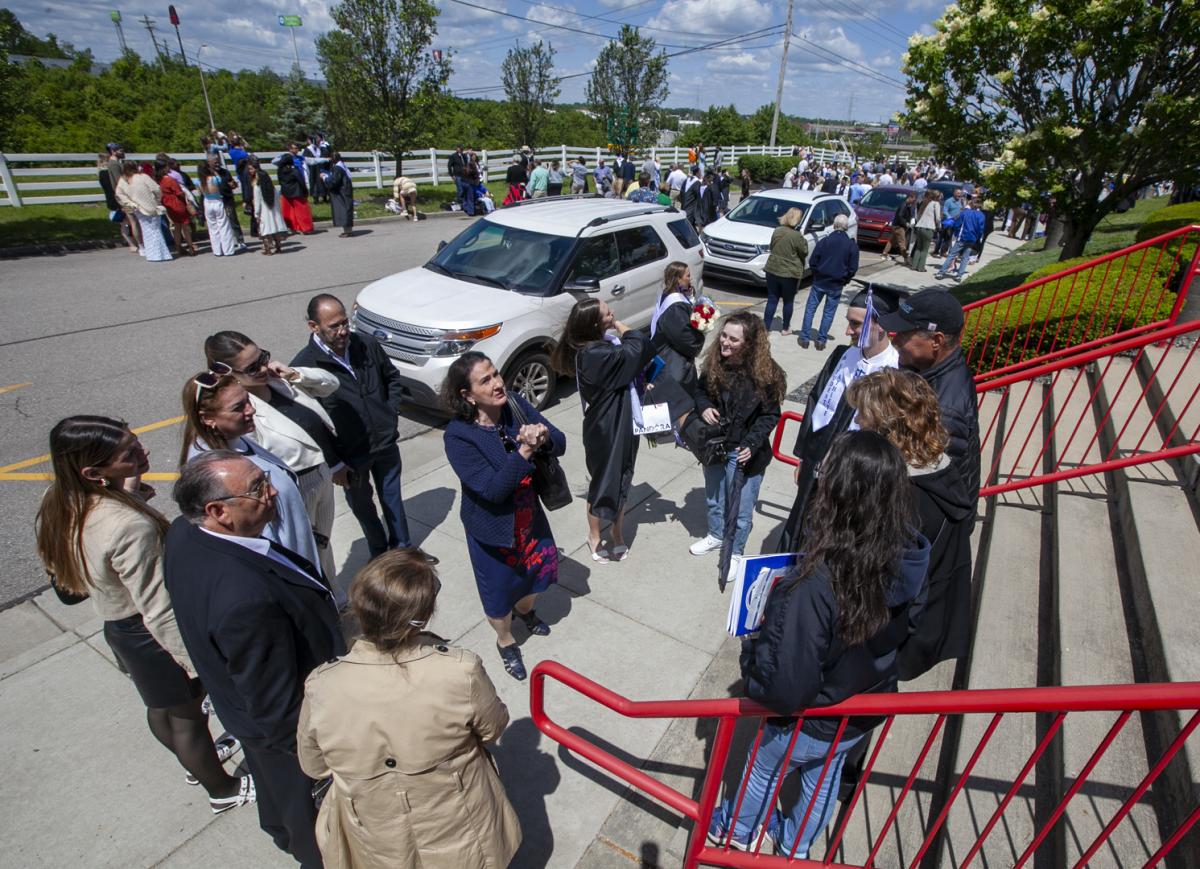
pixel 864 336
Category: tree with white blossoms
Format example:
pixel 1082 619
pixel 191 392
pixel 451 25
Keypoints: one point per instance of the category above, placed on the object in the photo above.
pixel 1067 94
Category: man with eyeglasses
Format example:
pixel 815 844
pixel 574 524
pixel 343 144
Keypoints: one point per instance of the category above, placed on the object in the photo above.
pixel 364 410
pixel 256 619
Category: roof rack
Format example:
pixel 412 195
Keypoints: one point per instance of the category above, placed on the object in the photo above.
pixel 565 197
pixel 620 215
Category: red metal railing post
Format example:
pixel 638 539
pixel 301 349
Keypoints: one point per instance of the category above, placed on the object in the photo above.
pixel 710 790
pixel 1186 284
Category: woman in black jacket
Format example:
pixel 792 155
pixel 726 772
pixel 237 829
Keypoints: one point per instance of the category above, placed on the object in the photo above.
pixel 830 631
pixel 741 389
pixel 903 408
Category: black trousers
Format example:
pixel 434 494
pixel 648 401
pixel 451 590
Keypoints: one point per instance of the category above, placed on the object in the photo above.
pixel 285 805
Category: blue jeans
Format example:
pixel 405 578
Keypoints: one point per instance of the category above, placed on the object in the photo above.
pixel 382 468
pixel 961 250
pixel 460 189
pixel 469 198
pixel 780 289
pixel 832 294
pixel 808 754
pixel 716 488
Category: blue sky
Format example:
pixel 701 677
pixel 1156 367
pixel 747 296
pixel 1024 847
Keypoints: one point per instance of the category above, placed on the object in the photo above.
pixel 842 50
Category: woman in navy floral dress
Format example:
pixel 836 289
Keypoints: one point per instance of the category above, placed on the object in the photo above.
pixel 508 536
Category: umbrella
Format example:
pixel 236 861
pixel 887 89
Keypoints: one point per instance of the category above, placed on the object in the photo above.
pixel 733 497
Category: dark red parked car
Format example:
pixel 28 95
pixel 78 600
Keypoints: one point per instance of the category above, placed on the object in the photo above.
pixel 876 210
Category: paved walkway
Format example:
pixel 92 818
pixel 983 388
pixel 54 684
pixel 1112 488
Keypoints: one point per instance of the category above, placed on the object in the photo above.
pixel 88 785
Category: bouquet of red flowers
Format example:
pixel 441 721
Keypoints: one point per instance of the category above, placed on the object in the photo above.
pixel 704 314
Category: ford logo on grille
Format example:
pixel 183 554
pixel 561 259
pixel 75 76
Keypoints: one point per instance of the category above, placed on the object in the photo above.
pixel 381 335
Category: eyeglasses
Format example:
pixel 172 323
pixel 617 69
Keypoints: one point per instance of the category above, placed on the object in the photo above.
pixel 254 367
pixel 257 492
pixel 210 378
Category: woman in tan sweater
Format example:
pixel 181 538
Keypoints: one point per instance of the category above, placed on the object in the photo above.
pixel 141 198
pixel 97 537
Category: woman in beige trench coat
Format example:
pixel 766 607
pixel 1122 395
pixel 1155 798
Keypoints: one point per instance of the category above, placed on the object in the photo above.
pixel 400 724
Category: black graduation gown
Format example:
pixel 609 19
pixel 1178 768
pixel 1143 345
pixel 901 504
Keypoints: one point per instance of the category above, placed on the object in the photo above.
pixel 811 447
pixel 678 345
pixel 341 198
pixel 610 448
pixel 941 614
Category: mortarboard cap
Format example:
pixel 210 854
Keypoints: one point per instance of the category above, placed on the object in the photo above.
pixel 887 298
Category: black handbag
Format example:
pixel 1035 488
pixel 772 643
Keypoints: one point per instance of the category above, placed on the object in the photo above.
pixel 706 441
pixel 549 478
pixel 69 598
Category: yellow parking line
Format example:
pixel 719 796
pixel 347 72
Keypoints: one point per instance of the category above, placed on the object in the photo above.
pixel 14 387
pixel 6 470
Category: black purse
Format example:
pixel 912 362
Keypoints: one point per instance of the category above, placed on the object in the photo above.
pixel 68 598
pixel 706 441
pixel 549 478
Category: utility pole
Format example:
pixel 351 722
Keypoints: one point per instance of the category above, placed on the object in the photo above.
pixel 787 40
pixel 212 125
pixel 175 23
pixel 850 110
pixel 148 23
pixel 116 20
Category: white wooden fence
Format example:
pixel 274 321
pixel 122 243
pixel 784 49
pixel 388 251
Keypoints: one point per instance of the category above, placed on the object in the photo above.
pixel 48 179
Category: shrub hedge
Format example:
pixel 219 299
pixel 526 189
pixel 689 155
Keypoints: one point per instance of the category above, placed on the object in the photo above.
pixel 767 168
pixel 1094 290
pixel 1166 219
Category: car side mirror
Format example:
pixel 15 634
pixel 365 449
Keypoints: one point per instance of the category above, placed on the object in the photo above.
pixel 583 284
pixel 441 245
pixel 816 227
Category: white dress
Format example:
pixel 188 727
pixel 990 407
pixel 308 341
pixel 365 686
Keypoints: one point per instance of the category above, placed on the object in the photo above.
pixel 270 219
pixel 220 233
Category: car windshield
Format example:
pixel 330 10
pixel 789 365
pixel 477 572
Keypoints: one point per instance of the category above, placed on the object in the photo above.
pixel 888 200
pixel 503 256
pixel 764 210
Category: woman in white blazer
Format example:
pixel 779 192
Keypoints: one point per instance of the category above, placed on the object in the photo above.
pixel 290 422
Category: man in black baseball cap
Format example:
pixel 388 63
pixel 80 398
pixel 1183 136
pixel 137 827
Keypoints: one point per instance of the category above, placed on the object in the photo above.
pixel 928 327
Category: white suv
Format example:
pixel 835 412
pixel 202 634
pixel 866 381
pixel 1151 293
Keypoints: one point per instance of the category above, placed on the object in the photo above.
pixel 737 245
pixel 505 285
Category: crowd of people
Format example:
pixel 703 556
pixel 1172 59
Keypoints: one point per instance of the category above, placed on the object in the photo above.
pixel 236 605
pixel 160 207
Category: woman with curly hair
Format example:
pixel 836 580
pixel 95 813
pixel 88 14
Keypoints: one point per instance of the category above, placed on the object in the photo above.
pixel 740 388
pixel 902 406
pixel 830 631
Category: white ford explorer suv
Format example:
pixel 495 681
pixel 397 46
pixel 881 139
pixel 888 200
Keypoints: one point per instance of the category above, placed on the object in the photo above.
pixel 505 285
pixel 737 245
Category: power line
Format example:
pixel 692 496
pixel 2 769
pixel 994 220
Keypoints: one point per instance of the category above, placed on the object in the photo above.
pixel 854 65
pixel 867 12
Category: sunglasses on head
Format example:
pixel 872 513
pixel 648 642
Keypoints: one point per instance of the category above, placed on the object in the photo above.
pixel 210 378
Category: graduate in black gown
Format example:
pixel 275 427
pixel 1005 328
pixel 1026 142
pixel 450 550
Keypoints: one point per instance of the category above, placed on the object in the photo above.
pixel 826 414
pixel 341 194
pixel 607 359
pixel 902 406
pixel 678 343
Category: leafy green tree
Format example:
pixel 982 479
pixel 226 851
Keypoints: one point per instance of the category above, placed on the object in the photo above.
pixel 300 110
pixel 15 39
pixel 722 125
pixel 531 88
pixel 384 83
pixel 10 75
pixel 1068 95
pixel 629 83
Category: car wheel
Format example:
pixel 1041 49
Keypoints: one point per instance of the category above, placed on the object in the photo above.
pixel 532 377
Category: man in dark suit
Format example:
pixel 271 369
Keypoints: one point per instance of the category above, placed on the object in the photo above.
pixel 708 209
pixel 363 411
pixel 256 619
pixel 689 198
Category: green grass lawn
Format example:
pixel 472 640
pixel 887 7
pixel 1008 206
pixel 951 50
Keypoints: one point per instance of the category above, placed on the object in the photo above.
pixel 1114 232
pixel 61 224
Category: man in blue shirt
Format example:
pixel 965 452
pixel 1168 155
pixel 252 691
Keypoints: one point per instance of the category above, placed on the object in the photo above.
pixel 952 209
pixel 969 239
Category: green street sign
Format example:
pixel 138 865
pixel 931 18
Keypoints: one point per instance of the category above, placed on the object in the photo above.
pixel 115 16
pixel 289 21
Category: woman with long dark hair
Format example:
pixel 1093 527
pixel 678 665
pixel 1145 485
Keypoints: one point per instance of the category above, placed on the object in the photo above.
pixel 902 406
pixel 607 368
pixel 341 194
pixel 830 631
pixel 741 387
pixel 265 201
pixel 218 414
pixel 98 537
pixel 491 443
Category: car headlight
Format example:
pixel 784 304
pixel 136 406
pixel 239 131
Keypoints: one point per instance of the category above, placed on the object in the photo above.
pixel 458 343
pixel 704 238
pixel 762 248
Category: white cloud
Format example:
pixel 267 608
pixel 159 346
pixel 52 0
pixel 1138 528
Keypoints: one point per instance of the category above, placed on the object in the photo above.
pixel 713 16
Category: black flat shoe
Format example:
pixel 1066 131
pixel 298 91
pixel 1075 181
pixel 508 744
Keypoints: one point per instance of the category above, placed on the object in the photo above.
pixel 535 625
pixel 513 663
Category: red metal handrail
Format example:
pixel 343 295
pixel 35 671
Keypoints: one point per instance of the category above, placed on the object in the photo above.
pixel 982 314
pixel 1123 699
